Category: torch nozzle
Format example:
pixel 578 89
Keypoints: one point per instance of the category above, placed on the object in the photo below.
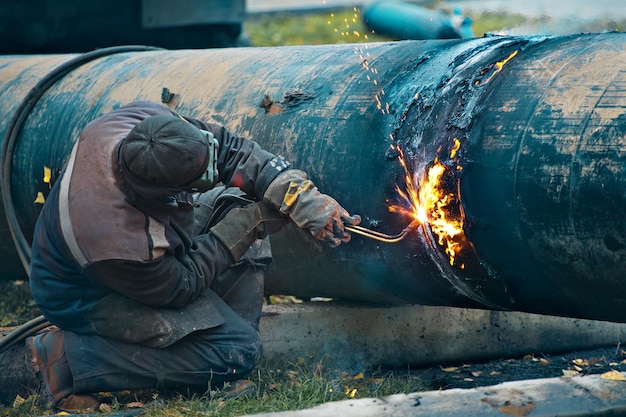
pixel 382 237
pixel 412 227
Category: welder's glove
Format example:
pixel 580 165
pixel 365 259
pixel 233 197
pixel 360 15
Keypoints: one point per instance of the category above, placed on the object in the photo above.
pixel 242 226
pixel 293 194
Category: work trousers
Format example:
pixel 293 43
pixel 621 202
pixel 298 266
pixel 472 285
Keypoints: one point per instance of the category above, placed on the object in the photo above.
pixel 199 361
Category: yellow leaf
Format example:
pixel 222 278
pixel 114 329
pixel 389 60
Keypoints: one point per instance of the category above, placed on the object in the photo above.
pixel 544 361
pixel 578 368
pixel 613 376
pixel 104 408
pixel 494 373
pixel 450 369
pixel 358 376
pixel 47 174
pixel 476 373
pixel 18 401
pixel 40 198
pixel 580 362
pixel 569 372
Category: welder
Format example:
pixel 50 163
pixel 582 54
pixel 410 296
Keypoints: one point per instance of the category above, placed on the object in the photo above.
pixel 148 257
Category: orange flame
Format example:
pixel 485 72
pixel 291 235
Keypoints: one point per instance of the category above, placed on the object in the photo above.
pixel 499 65
pixel 430 202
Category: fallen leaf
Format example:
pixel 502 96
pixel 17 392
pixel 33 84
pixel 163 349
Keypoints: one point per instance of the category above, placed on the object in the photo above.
pixel 135 404
pixel 47 174
pixel 580 362
pixel 544 361
pixel 358 376
pixel 104 408
pixel 40 199
pixel 578 368
pixel 19 400
pixel 569 372
pixel 613 375
pixel 450 369
pixel 476 373
pixel 494 373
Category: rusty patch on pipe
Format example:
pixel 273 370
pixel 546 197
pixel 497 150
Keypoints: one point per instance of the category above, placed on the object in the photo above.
pixel 270 105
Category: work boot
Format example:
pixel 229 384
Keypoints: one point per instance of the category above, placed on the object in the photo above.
pixel 17 377
pixel 49 361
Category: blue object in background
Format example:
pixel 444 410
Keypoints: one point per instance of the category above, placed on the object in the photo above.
pixel 400 20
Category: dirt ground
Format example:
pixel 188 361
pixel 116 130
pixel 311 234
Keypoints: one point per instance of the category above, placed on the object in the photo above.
pixel 531 366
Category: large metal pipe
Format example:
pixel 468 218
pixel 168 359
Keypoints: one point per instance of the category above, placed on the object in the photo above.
pixel 531 132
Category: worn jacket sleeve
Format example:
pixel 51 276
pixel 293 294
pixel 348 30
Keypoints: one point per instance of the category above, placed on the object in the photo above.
pixel 170 281
pixel 242 162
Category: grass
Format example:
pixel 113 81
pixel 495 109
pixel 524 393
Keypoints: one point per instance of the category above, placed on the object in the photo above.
pixel 293 386
pixel 308 29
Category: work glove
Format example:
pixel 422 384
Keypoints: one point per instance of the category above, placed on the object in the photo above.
pixel 295 195
pixel 242 226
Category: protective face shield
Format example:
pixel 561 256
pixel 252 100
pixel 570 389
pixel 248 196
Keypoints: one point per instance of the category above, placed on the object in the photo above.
pixel 209 178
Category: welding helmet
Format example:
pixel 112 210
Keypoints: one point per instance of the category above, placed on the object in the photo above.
pixel 166 151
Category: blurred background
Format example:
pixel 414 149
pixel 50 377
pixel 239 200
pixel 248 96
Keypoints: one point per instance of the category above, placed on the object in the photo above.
pixel 62 26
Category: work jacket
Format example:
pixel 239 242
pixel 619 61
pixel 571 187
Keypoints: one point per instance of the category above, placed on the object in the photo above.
pixel 105 240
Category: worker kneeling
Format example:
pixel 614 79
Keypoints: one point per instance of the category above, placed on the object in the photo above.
pixel 152 274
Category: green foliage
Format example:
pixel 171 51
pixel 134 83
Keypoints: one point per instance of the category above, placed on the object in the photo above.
pixel 489 22
pixel 308 29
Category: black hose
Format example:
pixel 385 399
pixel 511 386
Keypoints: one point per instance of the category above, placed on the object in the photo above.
pixel 8 148
pixel 20 333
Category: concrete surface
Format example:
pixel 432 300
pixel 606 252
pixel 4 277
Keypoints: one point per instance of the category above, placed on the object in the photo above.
pixel 555 397
pixel 350 336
